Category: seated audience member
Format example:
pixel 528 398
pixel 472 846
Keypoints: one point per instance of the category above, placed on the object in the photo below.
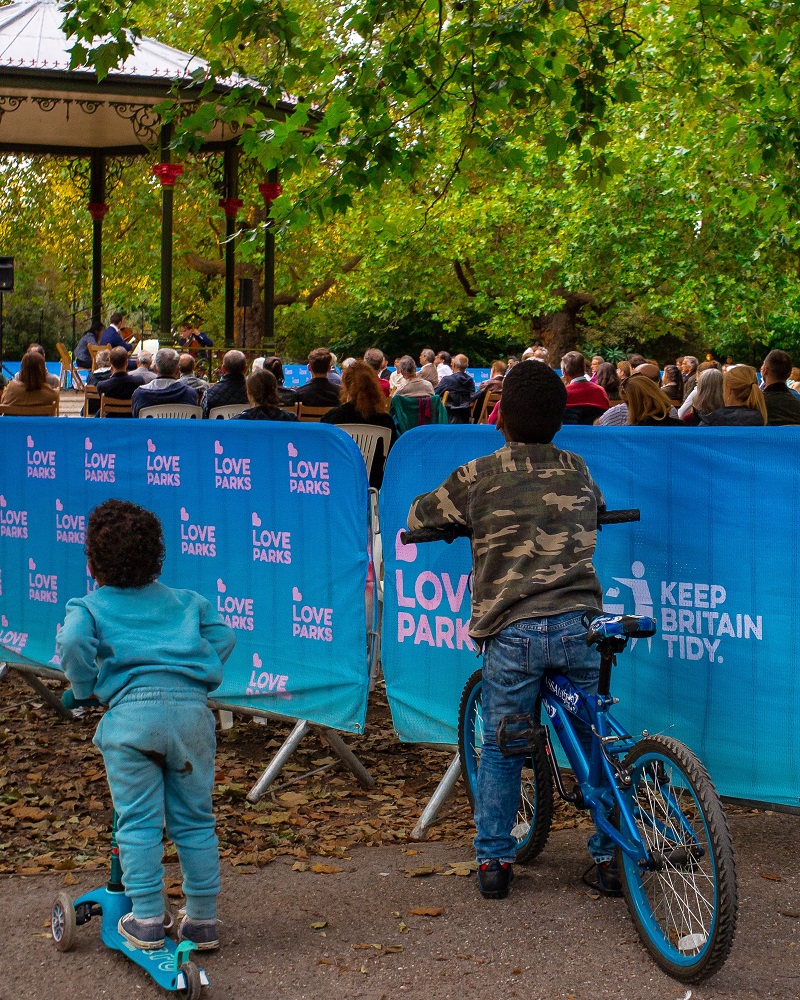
pixel 119 385
pixel 364 403
pixel 373 356
pixel 706 397
pixel 585 401
pixel 347 362
pixel 231 388
pixel 496 375
pixel 112 336
pixel 413 384
pixel 442 362
pixel 528 354
pixel 624 370
pixel 460 389
pixel 689 397
pixel 102 368
pixel 672 384
pixel 794 379
pixel 30 388
pixel 143 372
pixel 634 360
pixel 81 356
pixel 744 401
pixel 595 363
pixel 262 394
pixel 511 360
pixel 186 365
pixel 606 377
pixel 333 375
pixel 540 353
pixel 167 388
pixel 647 404
pixel 52 380
pixel 428 368
pixel 783 406
pixel 396 379
pixel 688 368
pixel 286 397
pixel 318 391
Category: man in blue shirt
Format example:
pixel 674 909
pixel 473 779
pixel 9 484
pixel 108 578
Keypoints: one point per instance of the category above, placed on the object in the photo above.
pixel 167 388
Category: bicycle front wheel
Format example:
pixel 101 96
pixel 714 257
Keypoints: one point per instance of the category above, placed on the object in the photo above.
pixel 683 896
pixel 535 812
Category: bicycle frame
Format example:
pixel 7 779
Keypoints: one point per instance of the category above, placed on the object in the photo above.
pixel 599 779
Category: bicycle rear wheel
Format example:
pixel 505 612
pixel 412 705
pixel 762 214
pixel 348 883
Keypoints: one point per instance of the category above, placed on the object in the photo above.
pixel 535 812
pixel 683 900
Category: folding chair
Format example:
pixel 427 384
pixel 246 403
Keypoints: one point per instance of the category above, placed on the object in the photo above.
pixel 311 414
pixel 179 411
pixel 110 407
pixel 227 411
pixel 68 368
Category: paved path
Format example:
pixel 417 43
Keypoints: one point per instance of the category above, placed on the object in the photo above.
pixel 549 940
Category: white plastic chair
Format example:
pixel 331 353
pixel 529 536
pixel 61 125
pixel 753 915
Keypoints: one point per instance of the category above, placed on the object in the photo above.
pixel 366 436
pixel 227 411
pixel 180 411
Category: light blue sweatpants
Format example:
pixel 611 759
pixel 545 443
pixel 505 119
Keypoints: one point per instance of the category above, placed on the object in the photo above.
pixel 158 746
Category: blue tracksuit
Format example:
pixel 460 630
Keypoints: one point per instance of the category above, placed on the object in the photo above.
pixel 152 654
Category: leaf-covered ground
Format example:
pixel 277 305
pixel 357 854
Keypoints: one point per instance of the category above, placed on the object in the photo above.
pixel 55 808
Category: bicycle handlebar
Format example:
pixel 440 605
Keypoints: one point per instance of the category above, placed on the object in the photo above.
pixel 453 531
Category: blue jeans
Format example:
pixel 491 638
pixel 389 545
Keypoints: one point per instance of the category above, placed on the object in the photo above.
pixel 513 663
pixel 158 746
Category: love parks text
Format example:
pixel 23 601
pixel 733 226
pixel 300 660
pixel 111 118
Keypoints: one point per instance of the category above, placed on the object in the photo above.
pixel 429 592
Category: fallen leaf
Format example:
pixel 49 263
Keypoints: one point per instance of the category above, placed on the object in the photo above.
pixel 321 869
pixel 318 925
pixel 462 868
pixel 420 872
pixel 365 947
pixel 403 927
pixel 293 799
pixel 426 911
pixel 69 879
pixel 392 949
pixel 772 878
pixel 298 866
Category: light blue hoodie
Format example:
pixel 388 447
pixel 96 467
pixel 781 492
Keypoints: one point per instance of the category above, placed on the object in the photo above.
pixel 116 639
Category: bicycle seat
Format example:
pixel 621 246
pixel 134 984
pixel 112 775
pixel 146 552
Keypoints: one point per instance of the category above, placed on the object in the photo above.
pixel 619 626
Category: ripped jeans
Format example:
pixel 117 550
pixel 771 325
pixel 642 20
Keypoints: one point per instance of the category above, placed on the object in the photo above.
pixel 158 746
pixel 513 663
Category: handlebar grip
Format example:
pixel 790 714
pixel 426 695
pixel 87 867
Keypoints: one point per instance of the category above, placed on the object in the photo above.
pixel 618 516
pixel 448 534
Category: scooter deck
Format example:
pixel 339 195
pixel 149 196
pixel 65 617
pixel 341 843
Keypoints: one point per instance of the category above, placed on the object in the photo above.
pixel 159 964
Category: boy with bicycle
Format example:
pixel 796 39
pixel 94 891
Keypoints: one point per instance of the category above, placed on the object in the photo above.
pixel 532 512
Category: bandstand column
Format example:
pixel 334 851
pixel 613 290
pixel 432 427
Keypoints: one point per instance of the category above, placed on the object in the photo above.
pixel 270 191
pixel 167 173
pixel 231 204
pixel 97 209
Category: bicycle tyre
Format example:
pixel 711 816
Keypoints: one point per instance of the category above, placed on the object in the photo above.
pixel 535 812
pixel 685 909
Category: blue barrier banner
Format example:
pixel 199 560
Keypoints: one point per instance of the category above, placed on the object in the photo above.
pixel 714 559
pixel 266 520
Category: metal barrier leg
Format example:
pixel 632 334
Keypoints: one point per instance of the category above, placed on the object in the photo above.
pixel 42 691
pixel 290 744
pixel 346 755
pixel 437 800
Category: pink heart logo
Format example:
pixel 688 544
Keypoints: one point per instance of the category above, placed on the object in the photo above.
pixel 150 445
pixel 30 441
pixel 221 587
pixel 87 444
pixel 255 519
pixel 4 621
pixel 184 514
pixel 3 502
pixel 217 448
pixel 59 505
pixel 31 563
pixel 296 595
pixel 403 552
pixel 292 450
pixel 257 660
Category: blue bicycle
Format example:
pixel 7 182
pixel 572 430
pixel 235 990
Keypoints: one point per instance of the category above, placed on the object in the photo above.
pixel 652 797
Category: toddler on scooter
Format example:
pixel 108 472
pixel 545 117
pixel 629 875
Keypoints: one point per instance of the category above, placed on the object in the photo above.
pixel 151 654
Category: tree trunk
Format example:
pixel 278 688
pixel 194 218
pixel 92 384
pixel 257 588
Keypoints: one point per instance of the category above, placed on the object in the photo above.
pixel 557 330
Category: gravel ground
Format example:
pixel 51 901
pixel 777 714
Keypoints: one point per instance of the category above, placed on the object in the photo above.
pixel 550 939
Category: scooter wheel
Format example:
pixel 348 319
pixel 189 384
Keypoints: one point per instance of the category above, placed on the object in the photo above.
pixel 192 984
pixel 62 922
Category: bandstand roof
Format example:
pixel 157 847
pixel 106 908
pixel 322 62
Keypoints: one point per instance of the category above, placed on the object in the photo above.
pixel 47 108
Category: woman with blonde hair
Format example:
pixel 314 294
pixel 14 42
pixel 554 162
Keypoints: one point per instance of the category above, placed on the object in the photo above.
pixel 363 402
pixel 647 404
pixel 706 398
pixel 744 401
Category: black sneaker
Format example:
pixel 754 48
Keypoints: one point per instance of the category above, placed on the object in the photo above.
pixel 608 882
pixel 494 878
pixel 145 934
pixel 202 933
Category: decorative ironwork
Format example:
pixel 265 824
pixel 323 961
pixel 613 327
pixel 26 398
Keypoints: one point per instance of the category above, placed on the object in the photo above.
pixel 47 103
pixel 145 122
pixel 80 172
pixel 213 166
pixel 114 168
pixel 9 104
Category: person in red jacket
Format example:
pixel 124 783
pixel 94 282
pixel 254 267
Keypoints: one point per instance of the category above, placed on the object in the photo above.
pixel 586 401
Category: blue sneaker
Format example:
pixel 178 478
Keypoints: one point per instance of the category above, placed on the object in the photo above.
pixel 202 933
pixel 146 934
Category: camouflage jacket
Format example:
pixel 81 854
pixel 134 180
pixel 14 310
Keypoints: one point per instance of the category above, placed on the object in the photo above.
pixel 532 511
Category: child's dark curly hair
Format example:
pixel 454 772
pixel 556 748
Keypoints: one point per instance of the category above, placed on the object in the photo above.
pixel 124 544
